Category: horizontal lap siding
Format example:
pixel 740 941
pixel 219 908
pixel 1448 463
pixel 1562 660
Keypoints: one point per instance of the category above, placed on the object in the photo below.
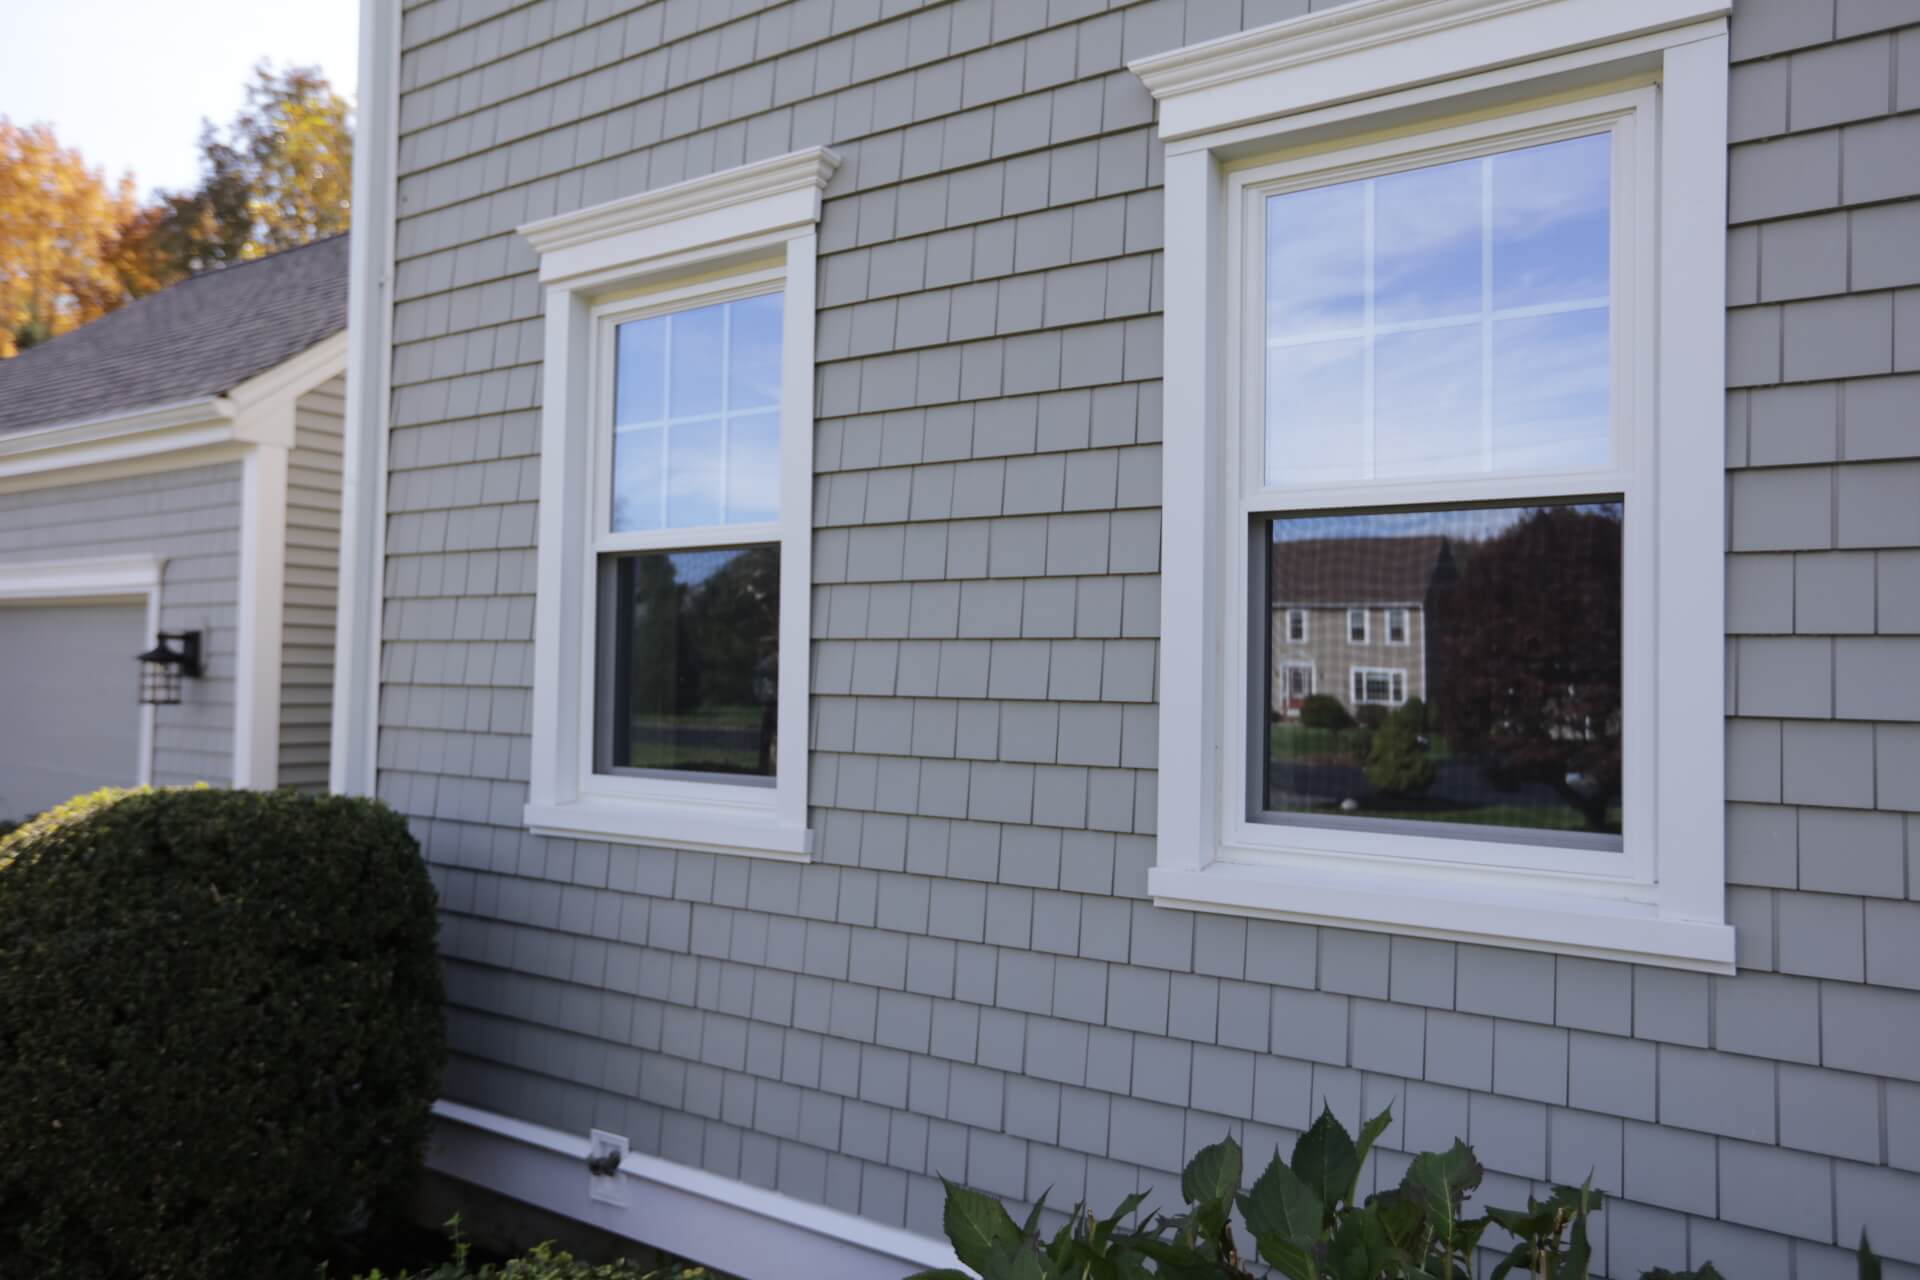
pixel 970 980
pixel 312 586
pixel 190 518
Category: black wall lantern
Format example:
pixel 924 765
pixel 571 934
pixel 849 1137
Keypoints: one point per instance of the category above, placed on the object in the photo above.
pixel 162 667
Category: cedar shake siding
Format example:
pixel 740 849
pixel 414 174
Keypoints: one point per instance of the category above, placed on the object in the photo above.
pixel 969 979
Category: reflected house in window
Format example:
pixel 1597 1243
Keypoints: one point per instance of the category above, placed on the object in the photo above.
pixel 1350 618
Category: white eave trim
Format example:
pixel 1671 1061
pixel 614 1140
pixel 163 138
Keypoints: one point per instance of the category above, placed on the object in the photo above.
pixel 752 200
pixel 259 410
pixel 740 1228
pixel 66 579
pixel 182 424
pixel 1373 47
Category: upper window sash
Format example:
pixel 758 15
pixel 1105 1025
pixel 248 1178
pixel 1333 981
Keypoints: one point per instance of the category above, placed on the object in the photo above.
pixel 607 319
pixel 1621 116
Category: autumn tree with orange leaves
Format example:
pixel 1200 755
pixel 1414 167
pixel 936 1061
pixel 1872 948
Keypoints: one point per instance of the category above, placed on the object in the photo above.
pixel 60 234
pixel 74 246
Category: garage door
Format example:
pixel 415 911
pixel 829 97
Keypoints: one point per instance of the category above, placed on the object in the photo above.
pixel 69 701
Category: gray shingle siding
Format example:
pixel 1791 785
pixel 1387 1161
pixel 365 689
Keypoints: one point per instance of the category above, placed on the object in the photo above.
pixel 312 586
pixel 969 981
pixel 190 518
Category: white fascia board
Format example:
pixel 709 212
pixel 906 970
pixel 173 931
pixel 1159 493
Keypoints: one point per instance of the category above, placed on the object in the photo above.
pixel 118 437
pixel 263 404
pixel 747 206
pixel 1374 47
pixel 185 432
pixel 725 1223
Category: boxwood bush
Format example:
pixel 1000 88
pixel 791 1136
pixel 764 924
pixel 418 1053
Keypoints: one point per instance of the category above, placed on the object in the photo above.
pixel 220 1031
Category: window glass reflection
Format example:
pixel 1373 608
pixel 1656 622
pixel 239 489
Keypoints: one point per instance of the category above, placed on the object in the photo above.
pixel 689 661
pixel 1489 698
pixel 696 427
pixel 1446 320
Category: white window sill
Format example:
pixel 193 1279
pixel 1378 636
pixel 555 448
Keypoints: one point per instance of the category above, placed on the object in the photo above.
pixel 1526 917
pixel 695 827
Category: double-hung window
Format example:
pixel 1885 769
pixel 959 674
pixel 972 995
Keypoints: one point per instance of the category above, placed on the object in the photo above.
pixel 1444 291
pixel 672 602
pixel 1397 626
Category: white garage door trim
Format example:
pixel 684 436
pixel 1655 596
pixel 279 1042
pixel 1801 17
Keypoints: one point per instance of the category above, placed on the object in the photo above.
pixel 101 579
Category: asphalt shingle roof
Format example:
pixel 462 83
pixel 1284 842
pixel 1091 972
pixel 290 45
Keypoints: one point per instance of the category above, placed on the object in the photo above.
pixel 1355 571
pixel 201 337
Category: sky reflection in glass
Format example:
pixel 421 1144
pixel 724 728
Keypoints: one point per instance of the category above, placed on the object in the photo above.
pixel 1440 321
pixel 696 423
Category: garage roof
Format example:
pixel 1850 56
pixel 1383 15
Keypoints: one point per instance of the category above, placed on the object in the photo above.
pixel 201 337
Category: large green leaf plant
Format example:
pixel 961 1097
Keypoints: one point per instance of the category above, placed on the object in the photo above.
pixel 1307 1221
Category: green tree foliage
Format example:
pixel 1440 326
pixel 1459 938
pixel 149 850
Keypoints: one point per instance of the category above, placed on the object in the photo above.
pixel 280 176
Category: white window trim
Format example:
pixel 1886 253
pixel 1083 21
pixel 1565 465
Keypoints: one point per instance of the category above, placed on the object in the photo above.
pixel 1366 626
pixel 1306 626
pixel 1354 75
pixel 1406 626
pixel 97 580
pixel 1354 674
pixel 686 241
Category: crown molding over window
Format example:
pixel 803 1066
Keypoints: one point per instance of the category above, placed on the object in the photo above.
pixel 744 203
pixel 1373 47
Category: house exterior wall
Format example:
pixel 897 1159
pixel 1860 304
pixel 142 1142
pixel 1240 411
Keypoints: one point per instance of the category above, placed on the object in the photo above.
pixel 969 980
pixel 191 518
pixel 1333 656
pixel 312 586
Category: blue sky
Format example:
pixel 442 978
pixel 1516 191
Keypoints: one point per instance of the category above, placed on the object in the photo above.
pixel 128 81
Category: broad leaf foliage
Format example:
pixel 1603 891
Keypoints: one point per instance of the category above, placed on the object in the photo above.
pixel 1307 1220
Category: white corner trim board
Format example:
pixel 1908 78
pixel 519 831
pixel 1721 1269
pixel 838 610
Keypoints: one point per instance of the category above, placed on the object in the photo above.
pixel 725 1223
pixel 1391 81
pixel 1371 48
pixel 260 615
pixel 98 578
pixel 363 480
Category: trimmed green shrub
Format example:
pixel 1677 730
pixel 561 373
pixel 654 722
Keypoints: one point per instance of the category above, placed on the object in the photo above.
pixel 1324 711
pixel 1371 715
pixel 1397 761
pixel 220 1031
pixel 1414 713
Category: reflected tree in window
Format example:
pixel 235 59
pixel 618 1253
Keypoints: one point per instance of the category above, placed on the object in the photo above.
pixel 695 660
pixel 1526 651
